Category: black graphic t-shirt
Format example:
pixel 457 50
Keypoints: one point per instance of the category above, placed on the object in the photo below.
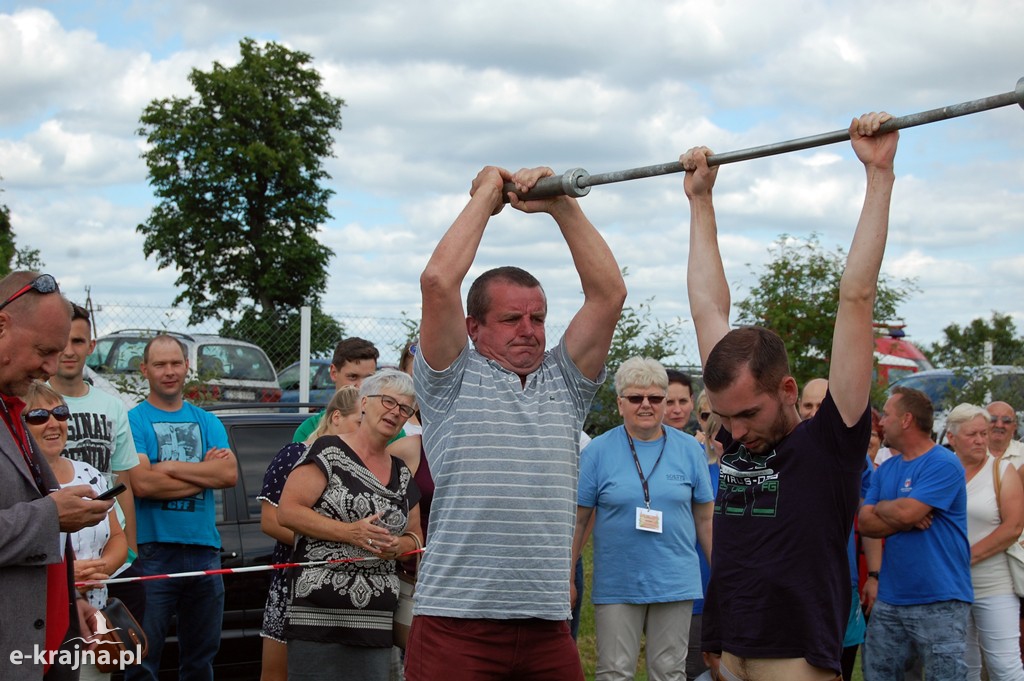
pixel 351 603
pixel 780 578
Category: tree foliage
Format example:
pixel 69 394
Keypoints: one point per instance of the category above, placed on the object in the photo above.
pixel 11 257
pixel 797 296
pixel 237 169
pixel 965 346
pixel 636 335
pixel 283 330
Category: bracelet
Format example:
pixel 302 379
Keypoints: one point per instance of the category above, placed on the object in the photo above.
pixel 873 573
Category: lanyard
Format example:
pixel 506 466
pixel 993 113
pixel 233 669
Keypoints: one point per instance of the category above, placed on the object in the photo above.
pixel 640 471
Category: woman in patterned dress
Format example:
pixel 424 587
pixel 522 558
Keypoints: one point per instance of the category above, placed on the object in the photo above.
pixel 348 500
pixel 341 416
pixel 99 550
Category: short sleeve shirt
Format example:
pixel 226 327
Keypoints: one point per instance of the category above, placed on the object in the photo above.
pixel 505 459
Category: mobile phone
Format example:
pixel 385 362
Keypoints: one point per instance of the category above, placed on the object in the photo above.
pixel 112 492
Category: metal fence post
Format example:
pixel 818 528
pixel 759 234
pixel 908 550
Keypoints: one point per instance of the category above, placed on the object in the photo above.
pixel 305 331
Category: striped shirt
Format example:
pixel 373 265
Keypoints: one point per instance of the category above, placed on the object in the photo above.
pixel 505 460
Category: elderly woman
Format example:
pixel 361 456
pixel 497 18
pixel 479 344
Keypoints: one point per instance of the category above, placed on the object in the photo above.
pixel 348 500
pixel 995 516
pixel 340 417
pixel 99 550
pixel 648 488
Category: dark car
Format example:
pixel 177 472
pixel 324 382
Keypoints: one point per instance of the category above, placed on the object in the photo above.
pixel 321 386
pixel 255 438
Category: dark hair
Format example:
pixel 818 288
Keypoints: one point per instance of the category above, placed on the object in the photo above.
pixel 79 312
pixel 408 352
pixel 918 405
pixel 352 350
pixel 761 350
pixel 677 376
pixel 163 338
pixel 478 300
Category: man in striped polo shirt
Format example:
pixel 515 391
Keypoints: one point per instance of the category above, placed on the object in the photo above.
pixel 501 427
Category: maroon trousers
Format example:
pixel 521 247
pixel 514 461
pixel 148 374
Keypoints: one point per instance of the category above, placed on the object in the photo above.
pixel 454 649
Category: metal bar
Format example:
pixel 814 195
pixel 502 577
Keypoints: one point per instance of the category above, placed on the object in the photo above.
pixel 577 182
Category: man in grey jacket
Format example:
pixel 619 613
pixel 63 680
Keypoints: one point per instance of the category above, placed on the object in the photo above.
pixel 37 601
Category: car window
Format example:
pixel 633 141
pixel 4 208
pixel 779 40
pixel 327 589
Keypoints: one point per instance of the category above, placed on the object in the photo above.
pixel 289 378
pixel 256 445
pixel 240 362
pixel 322 380
pixel 1007 388
pixel 124 355
pixel 941 389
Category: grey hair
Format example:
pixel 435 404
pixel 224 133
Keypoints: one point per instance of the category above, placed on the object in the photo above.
pixel 391 380
pixel 963 413
pixel 640 372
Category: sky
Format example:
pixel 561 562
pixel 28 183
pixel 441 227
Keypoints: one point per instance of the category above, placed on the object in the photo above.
pixel 437 89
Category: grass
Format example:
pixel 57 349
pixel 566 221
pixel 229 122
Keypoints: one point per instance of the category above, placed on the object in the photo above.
pixel 587 639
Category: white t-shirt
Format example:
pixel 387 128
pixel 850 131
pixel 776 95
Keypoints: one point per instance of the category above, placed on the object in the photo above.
pixel 88 542
pixel 990 577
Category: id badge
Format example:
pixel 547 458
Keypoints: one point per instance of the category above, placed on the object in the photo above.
pixel 648 520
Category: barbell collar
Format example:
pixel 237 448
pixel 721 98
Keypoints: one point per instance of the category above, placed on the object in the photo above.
pixel 572 183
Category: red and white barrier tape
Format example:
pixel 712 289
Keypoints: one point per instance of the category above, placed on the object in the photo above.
pixel 235 571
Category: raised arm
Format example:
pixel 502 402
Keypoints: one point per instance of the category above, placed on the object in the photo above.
pixel 706 285
pixel 443 327
pixel 589 334
pixel 853 343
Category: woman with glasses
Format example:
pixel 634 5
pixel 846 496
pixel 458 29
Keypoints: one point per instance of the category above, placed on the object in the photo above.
pixel 648 489
pixel 99 550
pixel 340 417
pixel 995 516
pixel 350 502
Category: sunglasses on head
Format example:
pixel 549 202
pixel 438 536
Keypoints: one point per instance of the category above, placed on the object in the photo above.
pixel 37 417
pixel 44 283
pixel 655 400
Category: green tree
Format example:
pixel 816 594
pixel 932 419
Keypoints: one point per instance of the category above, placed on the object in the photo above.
pixel 965 346
pixel 11 257
pixel 797 296
pixel 636 335
pixel 238 171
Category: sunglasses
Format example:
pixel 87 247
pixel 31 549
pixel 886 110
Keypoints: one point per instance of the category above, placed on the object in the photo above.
pixel 705 415
pixel 655 400
pixel 1003 419
pixel 37 417
pixel 44 283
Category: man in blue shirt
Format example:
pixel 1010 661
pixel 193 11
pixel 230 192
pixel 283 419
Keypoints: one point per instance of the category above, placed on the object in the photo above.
pixel 183 457
pixel 918 502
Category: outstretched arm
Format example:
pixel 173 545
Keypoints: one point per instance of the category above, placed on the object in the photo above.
pixel 589 334
pixel 706 285
pixel 443 327
pixel 853 343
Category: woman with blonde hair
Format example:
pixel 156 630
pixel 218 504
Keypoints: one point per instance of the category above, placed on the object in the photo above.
pixel 995 516
pixel 341 416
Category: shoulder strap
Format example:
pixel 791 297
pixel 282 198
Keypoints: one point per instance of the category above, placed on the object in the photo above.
pixel 996 484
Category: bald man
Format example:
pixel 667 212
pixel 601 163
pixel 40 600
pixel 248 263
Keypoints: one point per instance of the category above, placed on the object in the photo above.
pixel 1002 434
pixel 811 397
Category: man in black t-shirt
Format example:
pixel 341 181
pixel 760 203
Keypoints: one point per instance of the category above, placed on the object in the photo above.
pixel 779 594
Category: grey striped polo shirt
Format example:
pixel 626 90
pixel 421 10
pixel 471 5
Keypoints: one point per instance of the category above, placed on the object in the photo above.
pixel 505 460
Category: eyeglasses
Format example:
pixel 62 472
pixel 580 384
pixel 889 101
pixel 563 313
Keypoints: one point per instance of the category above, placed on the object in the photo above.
pixel 37 417
pixel 44 283
pixel 1004 419
pixel 655 400
pixel 705 415
pixel 390 402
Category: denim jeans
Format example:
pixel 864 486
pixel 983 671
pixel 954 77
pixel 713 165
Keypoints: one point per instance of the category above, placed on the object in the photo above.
pixel 938 631
pixel 198 603
pixel 995 625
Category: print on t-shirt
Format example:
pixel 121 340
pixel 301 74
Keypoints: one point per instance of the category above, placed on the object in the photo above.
pixel 180 441
pixel 747 485
pixel 90 439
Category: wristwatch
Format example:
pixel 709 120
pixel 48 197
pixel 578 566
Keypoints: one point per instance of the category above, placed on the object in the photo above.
pixel 873 573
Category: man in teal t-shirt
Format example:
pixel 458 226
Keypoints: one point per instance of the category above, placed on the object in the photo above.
pixel 354 359
pixel 183 458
